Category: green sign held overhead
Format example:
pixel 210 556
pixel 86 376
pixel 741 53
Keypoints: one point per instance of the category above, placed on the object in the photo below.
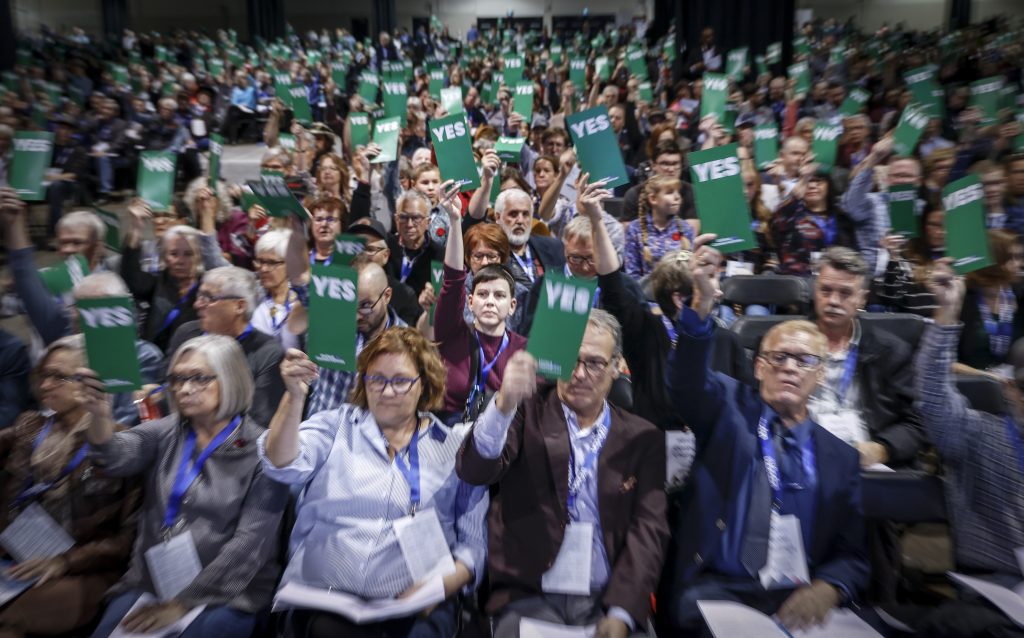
pixel 522 101
pixel 766 144
pixel 29 163
pixel 108 324
pixel 509 148
pixel 333 304
pixel 512 69
pixel 61 277
pixel 636 62
pixel 966 238
pixel 720 199
pixel 436 83
pixel 396 96
pixel 596 147
pixel 736 63
pixel 559 324
pixel 986 96
pixel 854 102
pixel 273 195
pixel 925 90
pixel 369 84
pixel 578 73
pixel 347 248
pixel 825 144
pixel 359 129
pixel 451 100
pixel 714 96
pixel 385 135
pixel 155 184
pixel 903 210
pixel 454 150
pixel 802 72
pixel 908 131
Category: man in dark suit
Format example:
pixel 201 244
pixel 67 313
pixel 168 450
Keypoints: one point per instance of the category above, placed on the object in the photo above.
pixel 772 515
pixel 578 527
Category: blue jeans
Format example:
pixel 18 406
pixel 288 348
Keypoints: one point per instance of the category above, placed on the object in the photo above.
pixel 222 622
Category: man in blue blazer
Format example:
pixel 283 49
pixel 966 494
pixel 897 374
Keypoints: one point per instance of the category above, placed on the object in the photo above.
pixel 766 479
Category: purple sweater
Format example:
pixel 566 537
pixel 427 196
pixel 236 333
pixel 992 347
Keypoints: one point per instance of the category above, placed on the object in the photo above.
pixel 455 338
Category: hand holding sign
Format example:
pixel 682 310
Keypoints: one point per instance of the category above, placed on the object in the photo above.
pixel 590 196
pixel 11 206
pixel 93 395
pixel 518 383
pixel 450 201
pixel 705 264
pixel 297 372
pixel 491 163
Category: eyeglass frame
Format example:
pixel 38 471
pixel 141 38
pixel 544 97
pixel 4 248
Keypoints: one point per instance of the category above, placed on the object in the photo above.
pixel 209 299
pixel 587 372
pixel 365 310
pixel 390 381
pixel 176 382
pixel 795 356
pixel 257 264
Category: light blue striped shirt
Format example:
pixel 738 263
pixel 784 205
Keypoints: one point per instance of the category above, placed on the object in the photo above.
pixel 353 493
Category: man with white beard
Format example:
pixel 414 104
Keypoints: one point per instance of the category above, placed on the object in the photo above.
pixel 531 256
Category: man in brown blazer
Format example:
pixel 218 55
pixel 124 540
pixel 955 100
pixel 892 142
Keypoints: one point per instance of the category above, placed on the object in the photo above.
pixel 578 529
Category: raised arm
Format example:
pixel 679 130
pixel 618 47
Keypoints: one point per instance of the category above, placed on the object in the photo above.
pixel 589 199
pixel 856 202
pixel 481 199
pixel 281 446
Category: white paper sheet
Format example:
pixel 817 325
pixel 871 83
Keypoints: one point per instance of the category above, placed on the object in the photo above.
pixel 734 620
pixel 294 595
pixel 173 565
pixel 879 467
pixel 1009 602
pixel 174 629
pixel 787 561
pixel 571 572
pixel 423 546
pixel 841 623
pixel 532 628
pixel 34 534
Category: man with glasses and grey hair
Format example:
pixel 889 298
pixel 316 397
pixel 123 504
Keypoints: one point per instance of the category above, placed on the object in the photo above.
pixel 578 529
pixel 225 302
pixel 771 515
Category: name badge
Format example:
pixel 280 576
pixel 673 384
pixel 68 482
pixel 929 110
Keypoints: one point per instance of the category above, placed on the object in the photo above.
pixel 787 562
pixel 424 546
pixel 173 565
pixel 680 449
pixel 844 424
pixel 34 534
pixel 571 572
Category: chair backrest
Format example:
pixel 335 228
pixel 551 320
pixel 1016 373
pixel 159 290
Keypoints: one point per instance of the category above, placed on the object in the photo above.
pixel 751 329
pixel 904 496
pixel 621 393
pixel 982 393
pixel 778 290
pixel 906 326
pixel 613 206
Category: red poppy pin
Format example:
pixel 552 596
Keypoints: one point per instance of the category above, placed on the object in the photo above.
pixel 240 442
pixel 440 232
pixel 676 236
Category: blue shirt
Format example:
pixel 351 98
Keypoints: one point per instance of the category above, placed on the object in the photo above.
pixel 244 97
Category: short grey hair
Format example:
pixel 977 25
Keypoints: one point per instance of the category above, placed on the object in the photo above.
pixel 274 241
pixel 411 195
pixel 579 227
pixel 189 234
pixel 502 201
pixel 224 204
pixel 101 284
pixel 237 282
pixel 84 219
pixel 845 260
pixel 278 153
pixel 606 321
pixel 167 103
pixel 227 362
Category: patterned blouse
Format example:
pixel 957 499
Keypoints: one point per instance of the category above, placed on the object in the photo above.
pixel 659 241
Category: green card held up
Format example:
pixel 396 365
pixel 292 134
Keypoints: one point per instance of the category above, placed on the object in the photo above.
pixel 108 324
pixel 854 101
pixel 986 96
pixel 436 84
pixel 825 144
pixel 578 73
pixel 636 62
pixel 721 202
pixel 596 147
pixel 736 63
pixel 155 184
pixel 522 102
pixel 451 99
pixel 902 210
pixel 714 96
pixel 602 68
pixel 509 149
pixel 436 279
pixel 61 277
pixel 512 69
pixel 359 129
pixel 347 248
pixel 966 238
pixel 113 223
pixel 766 144
pixel 802 72
pixel 395 96
pixel 273 195
pixel 908 131
pixel 385 135
pixel 559 324
pixel 454 150
pixel 32 154
pixel 333 304
pixel 216 151
pixel 369 83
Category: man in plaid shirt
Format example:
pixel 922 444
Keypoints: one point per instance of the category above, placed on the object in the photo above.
pixel 984 460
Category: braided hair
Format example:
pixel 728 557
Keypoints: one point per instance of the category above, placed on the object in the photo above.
pixel 653 186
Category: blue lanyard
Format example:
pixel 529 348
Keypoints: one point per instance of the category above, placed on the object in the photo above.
pixel 848 371
pixel 407 265
pixel 1018 447
pixel 486 366
pixel 312 259
pixel 276 325
pixel 176 310
pixel 589 465
pixel 527 264
pixel 827 228
pixel 31 490
pixel 993 325
pixel 187 473
pixel 240 338
pixel 411 472
pixel 597 291
pixel 772 467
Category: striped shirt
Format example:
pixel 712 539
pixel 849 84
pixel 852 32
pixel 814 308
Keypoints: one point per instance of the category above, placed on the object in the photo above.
pixel 984 475
pixel 870 213
pixel 353 493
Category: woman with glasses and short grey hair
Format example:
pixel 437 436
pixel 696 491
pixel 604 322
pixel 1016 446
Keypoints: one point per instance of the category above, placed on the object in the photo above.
pixel 207 533
pixel 378 477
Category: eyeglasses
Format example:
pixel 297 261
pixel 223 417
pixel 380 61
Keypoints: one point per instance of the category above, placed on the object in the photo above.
pixel 482 257
pixel 374 249
pixel 366 308
pixel 803 360
pixel 59 377
pixel 324 220
pixel 267 263
pixel 580 260
pixel 200 381
pixel 207 298
pixel 378 384
pixel 410 219
pixel 592 367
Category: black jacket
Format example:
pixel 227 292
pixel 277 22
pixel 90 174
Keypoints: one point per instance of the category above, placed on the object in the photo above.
pixel 551 254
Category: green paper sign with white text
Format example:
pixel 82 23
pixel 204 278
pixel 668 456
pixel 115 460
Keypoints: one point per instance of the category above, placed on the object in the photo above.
pixel 903 210
pixel 454 150
pixel 395 96
pixel 359 129
pixel 333 304
pixel 720 199
pixel 108 324
pixel 908 131
pixel 385 135
pixel 522 102
pixel 559 324
pixel 155 184
pixel 596 147
pixel 766 144
pixel 33 152
pixel 714 96
pixel 966 238
pixel 825 144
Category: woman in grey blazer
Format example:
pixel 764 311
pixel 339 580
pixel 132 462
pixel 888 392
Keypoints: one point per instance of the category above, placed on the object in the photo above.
pixel 209 525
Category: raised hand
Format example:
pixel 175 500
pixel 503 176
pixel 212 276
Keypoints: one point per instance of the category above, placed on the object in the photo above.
pixel 518 383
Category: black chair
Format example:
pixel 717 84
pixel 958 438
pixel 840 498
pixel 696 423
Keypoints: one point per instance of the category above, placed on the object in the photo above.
pixel 621 393
pixel 752 329
pixel 906 326
pixel 904 496
pixel 776 290
pixel 613 206
pixel 983 394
